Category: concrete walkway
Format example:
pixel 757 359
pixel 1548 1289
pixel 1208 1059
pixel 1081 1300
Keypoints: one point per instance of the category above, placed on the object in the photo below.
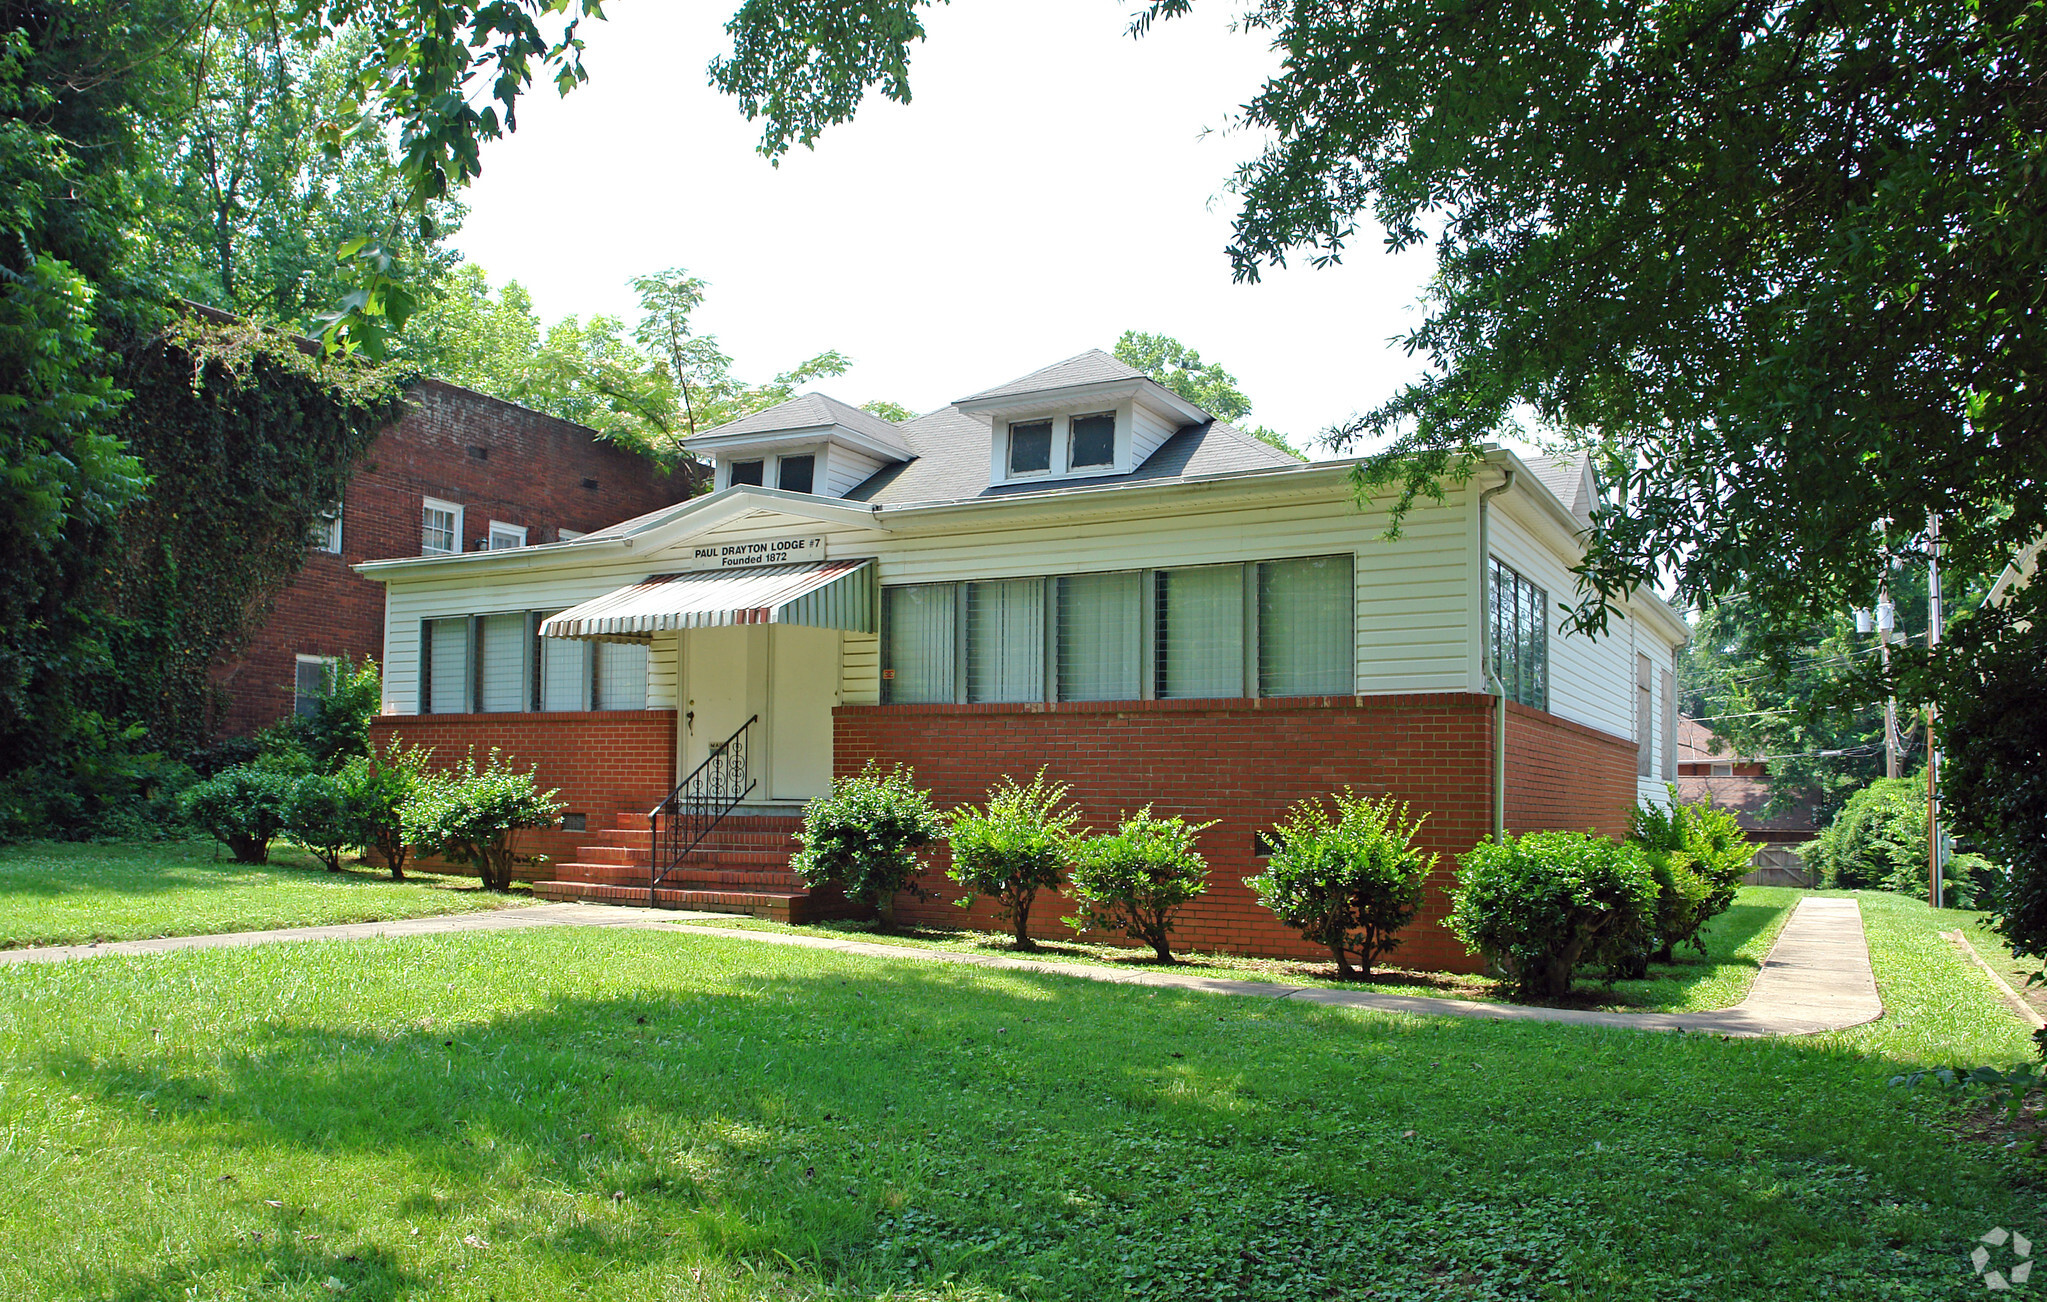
pixel 1816 978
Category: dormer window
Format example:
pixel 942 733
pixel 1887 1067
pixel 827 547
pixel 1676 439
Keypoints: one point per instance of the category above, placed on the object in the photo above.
pixel 1030 447
pixel 1094 441
pixel 794 474
pixel 747 472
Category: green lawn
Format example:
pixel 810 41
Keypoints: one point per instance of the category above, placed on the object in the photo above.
pixel 1736 943
pixel 64 893
pixel 659 1115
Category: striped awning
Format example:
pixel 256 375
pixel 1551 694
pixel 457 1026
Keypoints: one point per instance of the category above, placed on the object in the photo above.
pixel 820 594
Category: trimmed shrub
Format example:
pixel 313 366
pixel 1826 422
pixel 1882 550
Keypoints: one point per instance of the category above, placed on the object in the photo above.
pixel 1020 842
pixel 865 834
pixel 375 788
pixel 1350 883
pixel 338 729
pixel 1878 842
pixel 474 816
pixel 243 808
pixel 1699 856
pixel 318 819
pixel 1136 878
pixel 1541 904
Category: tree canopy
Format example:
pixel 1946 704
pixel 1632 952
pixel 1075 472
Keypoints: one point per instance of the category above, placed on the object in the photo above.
pixel 1205 384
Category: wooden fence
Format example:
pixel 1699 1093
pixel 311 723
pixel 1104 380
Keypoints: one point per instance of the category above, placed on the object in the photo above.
pixel 1778 865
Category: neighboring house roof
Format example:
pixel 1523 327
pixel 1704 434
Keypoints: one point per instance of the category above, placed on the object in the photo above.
pixel 1747 798
pixel 809 411
pixel 951 462
pixel 1695 745
pixel 2016 575
pixel 1090 367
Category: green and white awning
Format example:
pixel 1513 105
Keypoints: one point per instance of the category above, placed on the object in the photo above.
pixel 822 594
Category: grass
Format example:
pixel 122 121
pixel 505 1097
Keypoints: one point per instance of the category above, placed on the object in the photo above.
pixel 68 893
pixel 1736 943
pixel 664 1115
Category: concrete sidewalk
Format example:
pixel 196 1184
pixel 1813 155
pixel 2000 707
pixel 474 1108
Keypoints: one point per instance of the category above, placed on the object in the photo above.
pixel 1816 978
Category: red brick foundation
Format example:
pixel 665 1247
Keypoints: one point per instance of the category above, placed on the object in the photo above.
pixel 1242 763
pixel 602 761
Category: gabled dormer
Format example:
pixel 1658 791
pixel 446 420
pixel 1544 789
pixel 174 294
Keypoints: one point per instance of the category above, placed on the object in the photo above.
pixel 809 444
pixel 1084 418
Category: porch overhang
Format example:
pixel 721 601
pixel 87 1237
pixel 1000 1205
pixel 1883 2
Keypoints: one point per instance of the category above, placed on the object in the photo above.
pixel 817 594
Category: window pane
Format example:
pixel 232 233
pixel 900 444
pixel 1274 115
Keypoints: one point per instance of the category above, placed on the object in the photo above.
pixel 747 472
pixel 1030 447
pixel 793 474
pixel 1307 639
pixel 312 680
pixel 919 655
pixel 1200 633
pixel 564 674
pixel 448 685
pixel 621 675
pixel 503 687
pixel 1006 641
pixel 1094 440
pixel 438 530
pixel 1101 632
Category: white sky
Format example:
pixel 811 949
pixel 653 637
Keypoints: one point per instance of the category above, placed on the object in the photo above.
pixel 1049 187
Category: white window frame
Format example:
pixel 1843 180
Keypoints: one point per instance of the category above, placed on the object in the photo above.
pixel 330 664
pixel 1720 769
pixel 1055 448
pixel 454 509
pixel 327 530
pixel 499 529
pixel 1117 431
pixel 1061 467
pixel 568 535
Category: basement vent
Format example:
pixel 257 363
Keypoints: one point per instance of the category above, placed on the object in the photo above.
pixel 575 822
pixel 479 454
pixel 590 484
pixel 1263 845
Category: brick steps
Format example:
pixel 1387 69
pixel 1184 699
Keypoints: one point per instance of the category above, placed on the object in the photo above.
pixel 742 867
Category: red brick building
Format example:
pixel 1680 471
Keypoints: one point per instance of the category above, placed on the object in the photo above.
pixel 458 471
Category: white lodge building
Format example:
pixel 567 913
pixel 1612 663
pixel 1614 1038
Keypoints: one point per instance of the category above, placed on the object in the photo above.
pixel 1077 570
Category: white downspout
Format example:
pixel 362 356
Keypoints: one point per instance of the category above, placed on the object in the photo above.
pixel 1492 672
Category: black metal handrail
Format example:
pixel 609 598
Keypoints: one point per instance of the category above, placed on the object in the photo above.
pixel 698 804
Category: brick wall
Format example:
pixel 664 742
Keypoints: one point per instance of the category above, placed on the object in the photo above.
pixel 1242 763
pixel 602 761
pixel 533 472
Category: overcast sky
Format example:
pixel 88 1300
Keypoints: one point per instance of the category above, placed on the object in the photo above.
pixel 1052 184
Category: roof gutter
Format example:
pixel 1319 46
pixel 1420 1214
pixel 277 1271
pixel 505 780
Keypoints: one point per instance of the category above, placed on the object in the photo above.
pixel 1492 671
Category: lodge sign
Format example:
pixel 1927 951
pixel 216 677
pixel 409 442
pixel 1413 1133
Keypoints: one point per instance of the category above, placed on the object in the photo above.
pixel 765 551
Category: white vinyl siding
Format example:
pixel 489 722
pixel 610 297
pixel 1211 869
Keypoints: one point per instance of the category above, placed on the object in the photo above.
pixel 565 674
pixel 845 469
pixel 449 655
pixel 621 675
pixel 860 669
pixel 1199 633
pixel 504 678
pixel 1306 629
pixel 1148 430
pixel 921 655
pixel 1100 637
pixel 1006 640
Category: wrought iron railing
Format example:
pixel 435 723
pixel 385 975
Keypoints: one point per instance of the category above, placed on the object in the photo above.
pixel 698 804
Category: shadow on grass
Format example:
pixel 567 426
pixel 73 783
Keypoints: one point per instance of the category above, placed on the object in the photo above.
pixel 55 870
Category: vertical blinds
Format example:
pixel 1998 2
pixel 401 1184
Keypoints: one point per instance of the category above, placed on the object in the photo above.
pixel 1101 637
pixel 1200 633
pixel 448 679
pixel 1307 641
pixel 564 674
pixel 621 675
pixel 1006 640
pixel 920 657
pixel 503 682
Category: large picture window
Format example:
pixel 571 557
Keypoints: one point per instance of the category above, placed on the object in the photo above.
pixel 919 649
pixel 1307 641
pixel 1520 636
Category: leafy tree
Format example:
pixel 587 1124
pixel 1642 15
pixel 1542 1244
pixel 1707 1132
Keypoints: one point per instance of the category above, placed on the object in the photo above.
pixel 1878 842
pixel 1205 384
pixel 1020 842
pixel 1137 878
pixel 865 835
pixel 473 816
pixel 1351 882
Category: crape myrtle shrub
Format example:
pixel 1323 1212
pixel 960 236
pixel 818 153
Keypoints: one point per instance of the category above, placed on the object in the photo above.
pixel 1698 856
pixel 1021 841
pixel 474 815
pixel 1136 878
pixel 866 834
pixel 1541 904
pixel 1350 882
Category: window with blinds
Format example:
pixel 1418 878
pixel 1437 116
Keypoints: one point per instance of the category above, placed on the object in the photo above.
pixel 447 668
pixel 1307 634
pixel 920 656
pixel 1520 634
pixel 1006 640
pixel 621 675
pixel 1100 637
pixel 565 673
pixel 1198 633
pixel 504 677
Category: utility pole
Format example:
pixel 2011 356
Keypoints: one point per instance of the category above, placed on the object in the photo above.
pixel 1886 622
pixel 1935 860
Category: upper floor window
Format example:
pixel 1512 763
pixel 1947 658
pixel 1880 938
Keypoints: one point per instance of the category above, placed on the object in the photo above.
pixel 1030 447
pixel 440 528
pixel 326 532
pixel 313 680
pixel 1093 441
pixel 747 472
pixel 504 536
pixel 1722 771
pixel 1520 637
pixel 795 474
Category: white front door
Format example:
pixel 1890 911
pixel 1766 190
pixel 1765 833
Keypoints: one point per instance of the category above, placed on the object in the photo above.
pixel 803 686
pixel 723 682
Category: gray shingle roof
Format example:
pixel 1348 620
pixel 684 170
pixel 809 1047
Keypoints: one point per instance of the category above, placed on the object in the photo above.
pixel 1089 367
pixel 1565 477
pixel 811 411
pixel 952 460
